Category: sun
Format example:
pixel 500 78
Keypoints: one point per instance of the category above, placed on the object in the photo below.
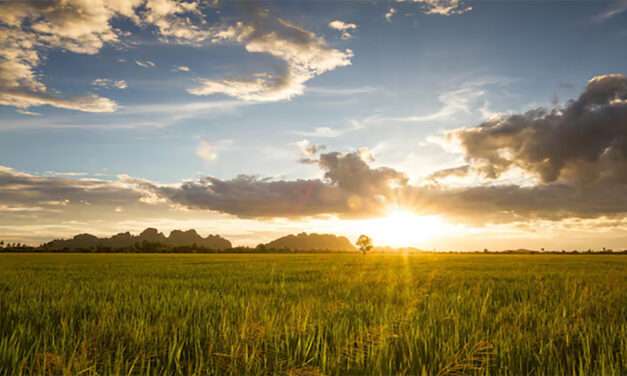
pixel 402 228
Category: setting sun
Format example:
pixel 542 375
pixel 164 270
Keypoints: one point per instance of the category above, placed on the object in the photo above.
pixel 402 228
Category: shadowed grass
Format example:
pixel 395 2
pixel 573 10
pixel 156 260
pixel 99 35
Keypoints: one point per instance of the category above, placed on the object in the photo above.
pixel 311 314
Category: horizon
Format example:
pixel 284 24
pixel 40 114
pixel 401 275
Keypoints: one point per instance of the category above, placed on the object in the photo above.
pixel 432 124
pixel 168 234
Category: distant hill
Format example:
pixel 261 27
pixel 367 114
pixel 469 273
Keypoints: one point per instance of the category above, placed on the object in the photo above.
pixel 311 242
pixel 149 239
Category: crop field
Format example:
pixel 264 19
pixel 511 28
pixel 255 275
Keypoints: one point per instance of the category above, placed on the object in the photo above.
pixel 313 314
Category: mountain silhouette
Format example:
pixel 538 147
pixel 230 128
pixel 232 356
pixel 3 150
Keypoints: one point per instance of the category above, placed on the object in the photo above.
pixel 148 239
pixel 311 242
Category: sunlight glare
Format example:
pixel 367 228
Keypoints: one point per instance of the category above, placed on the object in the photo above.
pixel 402 228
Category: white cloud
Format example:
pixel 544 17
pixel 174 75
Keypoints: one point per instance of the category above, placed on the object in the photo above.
pixel 73 25
pixel 79 26
pixel 28 113
pixel 208 151
pixel 442 7
pixel 108 83
pixel 344 27
pixel 84 27
pixel 88 103
pixel 328 132
pixel 21 87
pixel 453 103
pixel 175 21
pixel 341 91
pixel 308 149
pixel 469 99
pixel 325 132
pixel 305 55
pixel 182 68
pixel 145 63
pixel 390 13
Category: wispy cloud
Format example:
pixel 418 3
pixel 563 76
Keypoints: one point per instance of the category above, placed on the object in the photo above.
pixel 467 99
pixel 442 7
pixel 209 151
pixel 304 54
pixel 108 83
pixel 614 9
pixel 145 63
pixel 341 91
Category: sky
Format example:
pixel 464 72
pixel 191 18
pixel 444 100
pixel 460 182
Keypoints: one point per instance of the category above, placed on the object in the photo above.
pixel 438 124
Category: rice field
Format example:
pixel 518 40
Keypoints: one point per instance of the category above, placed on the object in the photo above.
pixel 313 314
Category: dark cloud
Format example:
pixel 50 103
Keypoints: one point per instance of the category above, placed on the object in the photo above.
pixel 512 203
pixel 577 153
pixel 24 189
pixel 27 199
pixel 583 143
pixel 349 188
pixel 350 173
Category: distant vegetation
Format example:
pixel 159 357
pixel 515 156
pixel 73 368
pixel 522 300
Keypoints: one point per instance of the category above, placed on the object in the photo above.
pixel 313 314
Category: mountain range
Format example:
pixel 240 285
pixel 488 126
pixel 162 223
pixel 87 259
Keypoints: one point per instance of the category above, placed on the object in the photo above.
pixel 149 238
pixel 311 242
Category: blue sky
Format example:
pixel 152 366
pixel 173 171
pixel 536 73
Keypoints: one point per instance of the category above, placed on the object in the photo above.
pixel 391 86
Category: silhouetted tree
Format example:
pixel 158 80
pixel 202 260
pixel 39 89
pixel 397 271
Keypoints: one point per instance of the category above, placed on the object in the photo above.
pixel 364 243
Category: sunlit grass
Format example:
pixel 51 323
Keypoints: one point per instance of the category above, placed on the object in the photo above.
pixel 313 314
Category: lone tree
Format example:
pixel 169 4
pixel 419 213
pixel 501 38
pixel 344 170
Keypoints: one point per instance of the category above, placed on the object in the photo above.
pixel 364 243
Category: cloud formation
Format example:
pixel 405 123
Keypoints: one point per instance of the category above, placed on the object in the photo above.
pixel 304 54
pixel 54 193
pixel 30 26
pixel 583 143
pixel 108 83
pixel 309 150
pixel 72 25
pixel 577 156
pixel 27 27
pixel 344 27
pixel 454 102
pixel 443 7
pixel 145 63
pixel 615 8
pixel 389 14
pixel 176 21
pixel 349 187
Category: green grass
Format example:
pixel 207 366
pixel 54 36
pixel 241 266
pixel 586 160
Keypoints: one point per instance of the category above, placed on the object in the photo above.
pixel 335 314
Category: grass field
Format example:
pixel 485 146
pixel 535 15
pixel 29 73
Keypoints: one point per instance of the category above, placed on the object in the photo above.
pixel 313 314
